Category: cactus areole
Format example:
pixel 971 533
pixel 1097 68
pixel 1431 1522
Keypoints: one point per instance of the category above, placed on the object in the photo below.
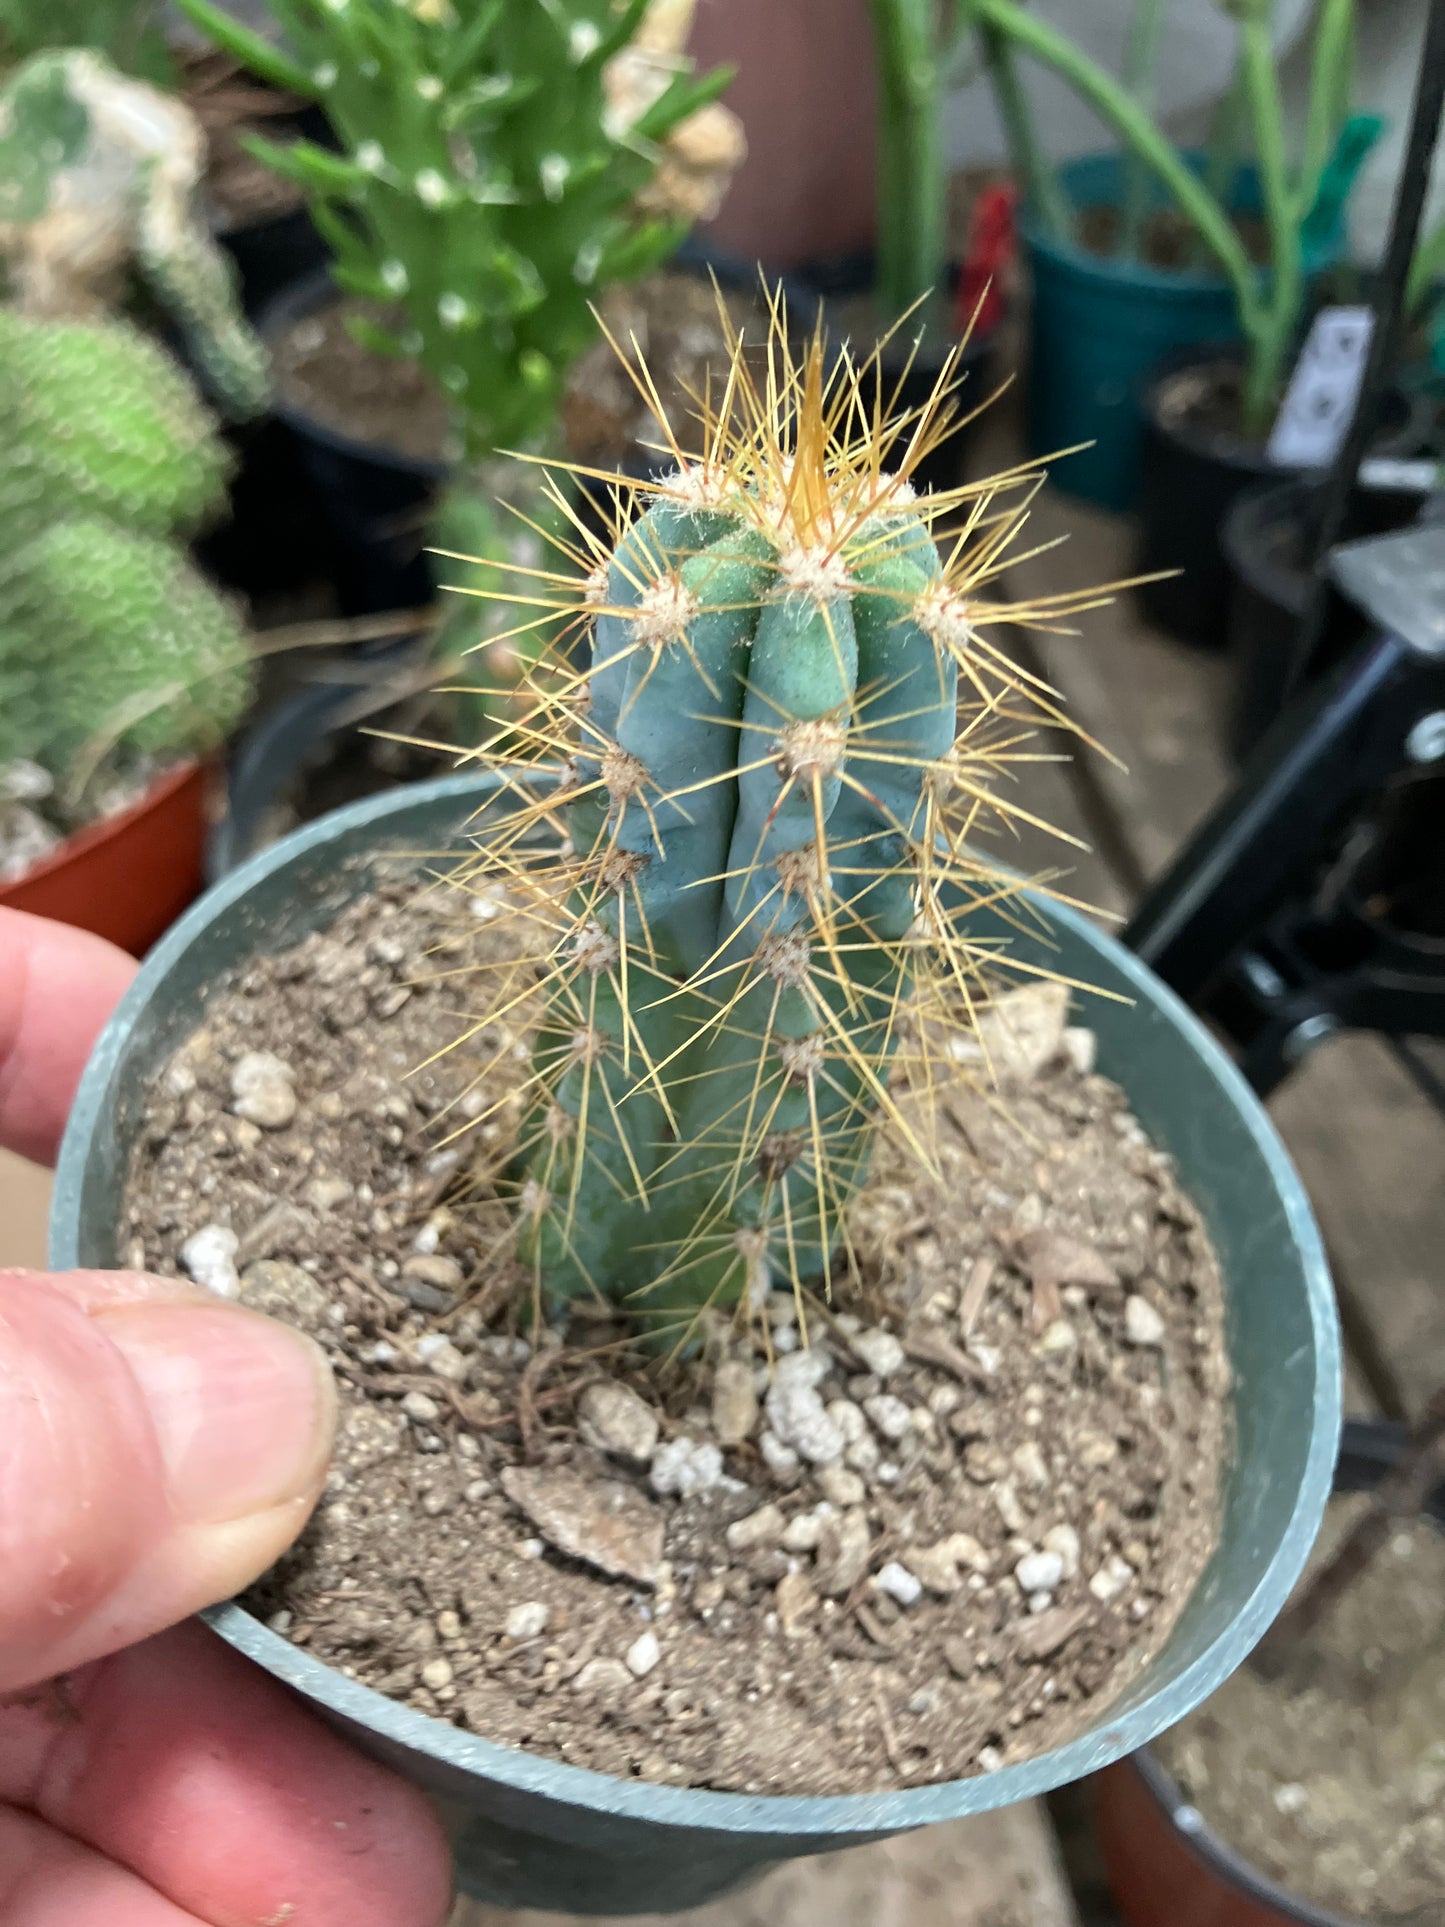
pixel 749 885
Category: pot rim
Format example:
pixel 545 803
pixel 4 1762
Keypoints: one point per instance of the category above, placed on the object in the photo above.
pixel 1372 1448
pixel 175 779
pixel 697 1808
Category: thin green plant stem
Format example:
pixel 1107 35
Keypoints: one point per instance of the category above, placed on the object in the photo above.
pixel 1036 173
pixel 1331 77
pixel 1138 131
pixel 912 211
pixel 1143 61
pixel 1221 165
pixel 1270 326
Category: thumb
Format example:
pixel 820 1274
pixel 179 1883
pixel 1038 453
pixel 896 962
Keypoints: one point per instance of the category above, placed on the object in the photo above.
pixel 160 1450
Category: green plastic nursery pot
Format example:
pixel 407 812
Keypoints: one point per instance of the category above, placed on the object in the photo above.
pixel 1100 327
pixel 531 1832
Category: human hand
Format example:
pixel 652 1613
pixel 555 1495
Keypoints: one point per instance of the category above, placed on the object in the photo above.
pixel 158 1450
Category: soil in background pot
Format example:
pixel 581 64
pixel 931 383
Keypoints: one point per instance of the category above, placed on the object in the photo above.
pixel 1331 1778
pixel 1015 1489
pixel 1168 240
pixel 323 372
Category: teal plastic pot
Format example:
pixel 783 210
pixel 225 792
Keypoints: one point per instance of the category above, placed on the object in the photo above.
pixel 1100 328
pixel 531 1832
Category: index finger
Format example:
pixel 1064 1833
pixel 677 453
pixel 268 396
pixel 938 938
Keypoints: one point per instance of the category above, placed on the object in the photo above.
pixel 57 988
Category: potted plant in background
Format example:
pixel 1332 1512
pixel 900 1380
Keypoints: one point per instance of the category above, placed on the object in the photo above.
pixel 119 665
pixel 485 194
pixel 1308 1792
pixel 908 295
pixel 1269 531
pixel 1207 420
pixel 648 1305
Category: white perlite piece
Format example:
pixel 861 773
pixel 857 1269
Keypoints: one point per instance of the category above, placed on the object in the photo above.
pixel 436 1674
pixel 437 1352
pixel 263 1090
pixel 890 1415
pixel 880 1351
pixel 1111 1578
pixel 209 1257
pixel 781 1460
pixel 642 1655
pixel 795 1410
pixel 1039 1572
pixel 899 1583
pixel 527 1621
pixel 420 1408
pixel 614 1419
pixel 685 1467
pixel 1142 1324
pixel 1081 1047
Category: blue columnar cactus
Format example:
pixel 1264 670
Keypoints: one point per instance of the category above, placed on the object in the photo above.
pixel 760 899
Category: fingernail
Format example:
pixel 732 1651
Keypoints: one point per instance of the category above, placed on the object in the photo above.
pixel 243 1407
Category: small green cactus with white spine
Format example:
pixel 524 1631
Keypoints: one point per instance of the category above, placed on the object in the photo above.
pixel 95 416
pixel 109 638
pixel 760 904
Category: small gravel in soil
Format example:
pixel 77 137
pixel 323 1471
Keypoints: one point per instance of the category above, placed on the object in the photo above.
pixel 921 1537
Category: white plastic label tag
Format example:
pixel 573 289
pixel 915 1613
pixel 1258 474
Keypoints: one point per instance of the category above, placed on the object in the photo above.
pixel 1320 399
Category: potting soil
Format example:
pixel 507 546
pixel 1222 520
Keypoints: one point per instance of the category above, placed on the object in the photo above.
pixel 1330 1778
pixel 932 1528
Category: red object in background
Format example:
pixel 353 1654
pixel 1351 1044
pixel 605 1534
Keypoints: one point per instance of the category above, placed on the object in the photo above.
pixel 991 242
pixel 131 876
pixel 1160 1878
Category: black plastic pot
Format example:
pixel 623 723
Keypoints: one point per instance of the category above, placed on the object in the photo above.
pixel 266 545
pixel 369 505
pixel 533 1832
pixel 1166 1867
pixel 269 255
pixel 1191 476
pixel 838 291
pixel 1264 539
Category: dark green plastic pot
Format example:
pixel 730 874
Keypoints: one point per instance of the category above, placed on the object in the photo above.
pixel 530 1832
pixel 1099 328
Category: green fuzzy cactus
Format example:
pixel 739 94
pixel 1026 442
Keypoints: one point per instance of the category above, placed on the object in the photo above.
pixel 758 904
pixel 95 417
pixel 110 642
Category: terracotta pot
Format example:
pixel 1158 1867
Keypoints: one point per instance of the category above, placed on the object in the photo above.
pixel 805 92
pixel 131 876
